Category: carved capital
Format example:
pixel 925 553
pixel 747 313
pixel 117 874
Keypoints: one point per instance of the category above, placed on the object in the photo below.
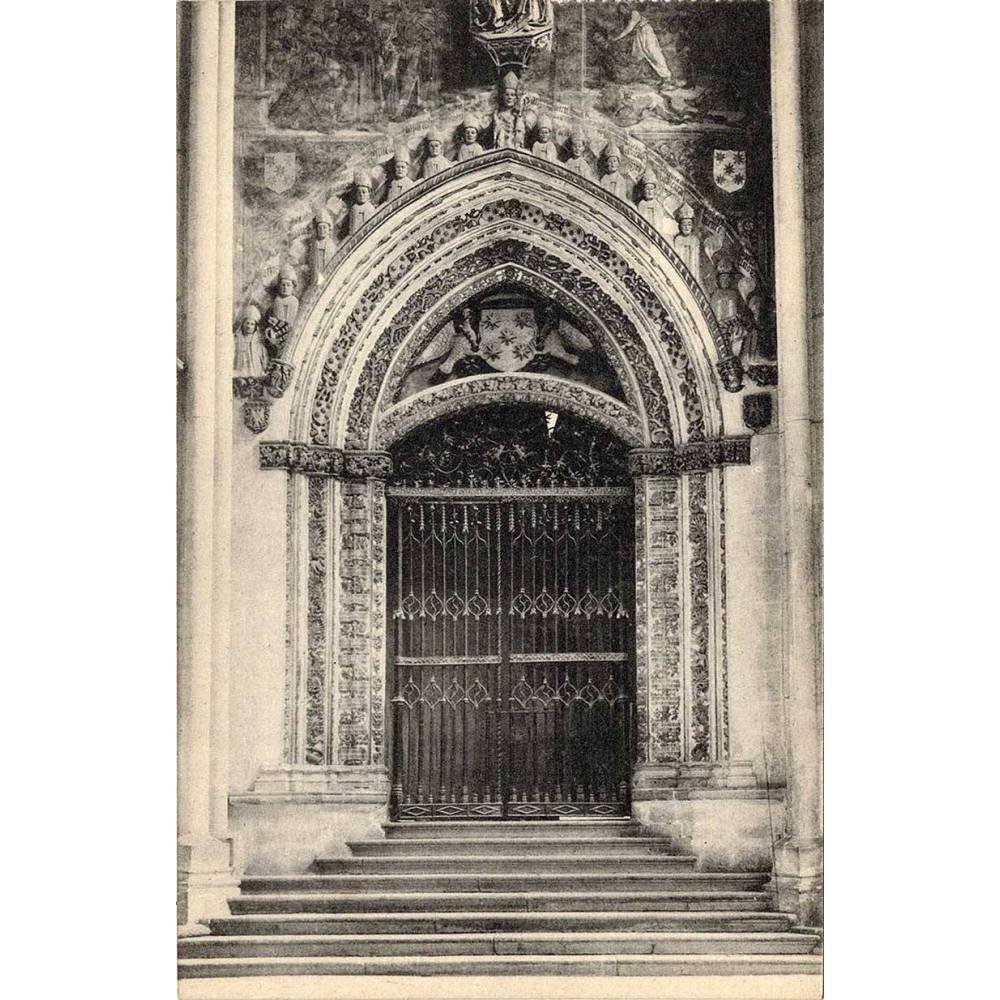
pixel 731 372
pixel 695 456
pixel 309 459
pixel 367 464
pixel 321 460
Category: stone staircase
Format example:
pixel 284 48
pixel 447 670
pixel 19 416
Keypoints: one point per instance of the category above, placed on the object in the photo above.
pixel 569 897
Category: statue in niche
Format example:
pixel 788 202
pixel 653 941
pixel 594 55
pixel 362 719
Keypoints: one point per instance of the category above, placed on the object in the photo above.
pixel 510 123
pixel 251 351
pixel 436 161
pixel 470 135
pixel 362 209
pixel 324 245
pixel 729 308
pixel 544 145
pixel 401 181
pixel 613 180
pixel 687 243
pixel 284 309
pixel 577 162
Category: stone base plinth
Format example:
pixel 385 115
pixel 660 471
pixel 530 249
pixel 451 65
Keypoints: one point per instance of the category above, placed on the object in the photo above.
pixel 335 783
pixel 205 879
pixel 650 780
pixel 798 879
pixel 725 829
pixel 278 834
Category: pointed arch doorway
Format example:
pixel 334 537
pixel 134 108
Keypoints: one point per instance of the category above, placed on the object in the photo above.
pixel 511 560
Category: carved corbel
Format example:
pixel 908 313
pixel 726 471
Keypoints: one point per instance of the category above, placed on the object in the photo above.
pixel 278 377
pixel 731 372
pixel 695 456
pixel 322 460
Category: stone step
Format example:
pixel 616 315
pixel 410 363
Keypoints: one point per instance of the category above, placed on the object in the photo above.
pixel 529 943
pixel 609 880
pixel 512 829
pixel 476 865
pixel 409 902
pixel 507 965
pixel 478 922
pixel 618 846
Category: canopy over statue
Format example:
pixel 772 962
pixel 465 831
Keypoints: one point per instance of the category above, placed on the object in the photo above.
pixel 510 29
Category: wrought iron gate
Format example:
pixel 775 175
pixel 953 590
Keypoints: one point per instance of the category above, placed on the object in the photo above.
pixel 512 663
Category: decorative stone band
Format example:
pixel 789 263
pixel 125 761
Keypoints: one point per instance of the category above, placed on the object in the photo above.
pixel 695 456
pixel 320 460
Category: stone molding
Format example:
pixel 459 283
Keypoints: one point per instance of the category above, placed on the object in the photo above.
pixel 321 460
pixel 329 783
pixel 696 456
pixel 556 393
pixel 654 781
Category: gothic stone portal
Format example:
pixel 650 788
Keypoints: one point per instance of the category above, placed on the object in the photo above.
pixel 351 618
pixel 511 642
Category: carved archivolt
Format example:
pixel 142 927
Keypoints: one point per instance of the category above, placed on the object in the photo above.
pixel 556 393
pixel 495 253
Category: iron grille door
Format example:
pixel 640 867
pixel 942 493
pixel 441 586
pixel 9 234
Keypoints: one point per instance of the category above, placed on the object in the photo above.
pixel 511 662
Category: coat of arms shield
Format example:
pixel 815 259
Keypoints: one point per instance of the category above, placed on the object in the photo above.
pixel 507 338
pixel 729 169
pixel 279 171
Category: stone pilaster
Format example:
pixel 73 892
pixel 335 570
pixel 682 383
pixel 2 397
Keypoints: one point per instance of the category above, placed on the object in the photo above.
pixel 205 877
pixel 798 874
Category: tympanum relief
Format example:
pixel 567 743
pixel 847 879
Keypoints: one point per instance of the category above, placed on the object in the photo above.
pixel 509 332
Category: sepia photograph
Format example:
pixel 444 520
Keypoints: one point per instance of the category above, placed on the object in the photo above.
pixel 500 498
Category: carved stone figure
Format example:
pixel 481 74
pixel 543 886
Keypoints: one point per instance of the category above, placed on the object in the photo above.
pixel 687 243
pixel 470 134
pixel 466 342
pixel 544 145
pixel 436 161
pixel 613 180
pixel 362 209
pixel 729 308
pixel 510 16
pixel 577 162
pixel 324 245
pixel 649 205
pixel 251 352
pixel 401 182
pixel 284 309
pixel 510 124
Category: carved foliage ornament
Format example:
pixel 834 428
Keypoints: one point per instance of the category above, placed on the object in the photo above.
pixel 510 446
pixel 319 460
pixel 697 456
pixel 533 259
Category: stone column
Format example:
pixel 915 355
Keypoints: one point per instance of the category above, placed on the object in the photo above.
pixel 205 877
pixel 798 874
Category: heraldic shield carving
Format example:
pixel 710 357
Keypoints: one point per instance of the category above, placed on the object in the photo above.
pixel 729 169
